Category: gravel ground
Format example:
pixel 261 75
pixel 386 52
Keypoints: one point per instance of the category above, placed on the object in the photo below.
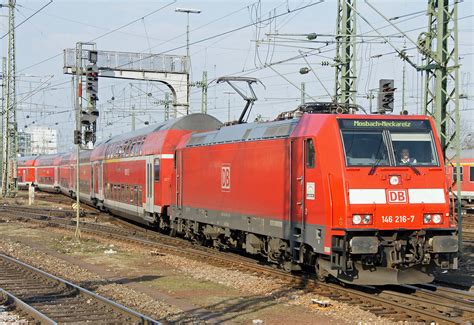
pixel 58 267
pixel 250 285
pixel 8 318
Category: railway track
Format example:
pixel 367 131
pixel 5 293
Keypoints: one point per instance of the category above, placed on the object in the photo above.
pixel 46 299
pixel 398 303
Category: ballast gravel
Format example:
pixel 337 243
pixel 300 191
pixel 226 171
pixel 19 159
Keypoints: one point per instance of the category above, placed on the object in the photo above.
pixel 119 293
pixel 248 284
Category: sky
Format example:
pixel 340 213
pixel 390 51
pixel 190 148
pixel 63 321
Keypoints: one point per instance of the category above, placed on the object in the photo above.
pixel 44 91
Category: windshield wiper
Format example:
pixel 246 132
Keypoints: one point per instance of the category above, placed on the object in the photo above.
pixel 377 162
pixel 415 170
pixel 374 166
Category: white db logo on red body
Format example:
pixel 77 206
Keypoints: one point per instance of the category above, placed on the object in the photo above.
pixel 397 196
pixel 225 178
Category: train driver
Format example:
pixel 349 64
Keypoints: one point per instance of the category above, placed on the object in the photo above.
pixel 405 158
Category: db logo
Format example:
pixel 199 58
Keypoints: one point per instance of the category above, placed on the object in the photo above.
pixel 225 178
pixel 397 196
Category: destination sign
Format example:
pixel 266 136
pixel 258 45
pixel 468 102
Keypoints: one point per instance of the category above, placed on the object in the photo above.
pixel 384 124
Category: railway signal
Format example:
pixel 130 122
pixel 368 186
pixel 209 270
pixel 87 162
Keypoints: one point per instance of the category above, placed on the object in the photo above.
pixel 386 95
pixel 92 83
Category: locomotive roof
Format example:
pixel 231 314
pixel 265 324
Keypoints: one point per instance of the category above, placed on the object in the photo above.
pixel 192 122
pixel 244 132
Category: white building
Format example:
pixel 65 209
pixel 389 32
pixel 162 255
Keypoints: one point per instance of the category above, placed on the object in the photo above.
pixel 44 140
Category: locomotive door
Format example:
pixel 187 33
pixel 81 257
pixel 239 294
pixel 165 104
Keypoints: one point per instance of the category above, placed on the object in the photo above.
pixel 303 185
pixel 149 188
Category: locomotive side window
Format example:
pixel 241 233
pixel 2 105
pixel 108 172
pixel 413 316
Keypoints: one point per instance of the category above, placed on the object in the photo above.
pixel 157 169
pixel 471 174
pixel 310 155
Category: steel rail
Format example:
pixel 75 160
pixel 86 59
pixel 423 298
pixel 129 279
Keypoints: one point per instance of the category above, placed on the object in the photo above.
pixel 43 315
pixel 392 305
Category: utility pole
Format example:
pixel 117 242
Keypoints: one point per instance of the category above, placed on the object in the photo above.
pixel 3 114
pixel 167 106
pixel 9 166
pixel 133 117
pixel 78 133
pixel 188 11
pixel 441 65
pixel 204 93
pixel 303 93
pixel 345 60
pixel 228 93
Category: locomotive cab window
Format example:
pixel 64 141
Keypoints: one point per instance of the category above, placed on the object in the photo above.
pixel 471 174
pixel 388 143
pixel 365 148
pixel 157 169
pixel 310 155
pixel 414 148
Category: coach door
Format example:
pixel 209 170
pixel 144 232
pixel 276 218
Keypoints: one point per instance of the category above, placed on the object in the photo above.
pixel 149 184
pixel 96 183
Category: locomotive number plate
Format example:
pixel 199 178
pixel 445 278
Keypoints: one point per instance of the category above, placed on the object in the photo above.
pixel 397 219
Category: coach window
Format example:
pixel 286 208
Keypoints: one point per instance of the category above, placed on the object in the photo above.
pixel 310 155
pixel 461 169
pixel 140 195
pixel 135 195
pixel 157 169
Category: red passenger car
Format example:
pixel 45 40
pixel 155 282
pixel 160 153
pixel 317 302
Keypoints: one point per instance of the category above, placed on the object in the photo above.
pixel 466 177
pixel 26 171
pixel 132 173
pixel 67 177
pixel 46 172
pixel 332 191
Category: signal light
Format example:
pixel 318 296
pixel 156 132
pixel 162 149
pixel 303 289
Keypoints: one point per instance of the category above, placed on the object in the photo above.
pixel 88 136
pixel 386 97
pixel 77 137
pixel 92 82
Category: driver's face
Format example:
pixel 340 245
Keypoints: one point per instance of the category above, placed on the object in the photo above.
pixel 405 154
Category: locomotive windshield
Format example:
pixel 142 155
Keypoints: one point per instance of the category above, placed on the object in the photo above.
pixel 388 143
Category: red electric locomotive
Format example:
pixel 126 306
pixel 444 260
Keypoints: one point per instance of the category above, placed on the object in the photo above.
pixel 363 198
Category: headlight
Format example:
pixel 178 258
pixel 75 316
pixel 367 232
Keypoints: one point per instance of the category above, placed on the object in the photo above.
pixel 437 218
pixel 427 218
pixel 367 219
pixel 356 219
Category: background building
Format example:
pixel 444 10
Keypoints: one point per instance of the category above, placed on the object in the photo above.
pixel 24 144
pixel 44 140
